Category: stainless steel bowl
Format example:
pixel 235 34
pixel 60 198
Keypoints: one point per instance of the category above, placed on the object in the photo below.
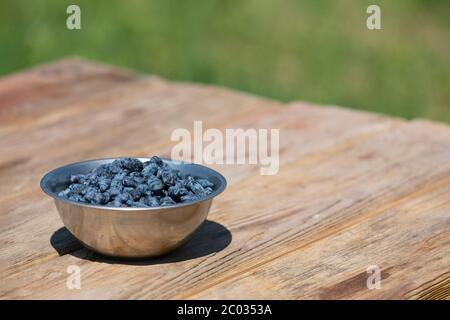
pixel 131 232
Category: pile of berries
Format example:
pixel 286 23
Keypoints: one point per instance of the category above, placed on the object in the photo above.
pixel 129 182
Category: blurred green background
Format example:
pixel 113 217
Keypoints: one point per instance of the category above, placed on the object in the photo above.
pixel 316 50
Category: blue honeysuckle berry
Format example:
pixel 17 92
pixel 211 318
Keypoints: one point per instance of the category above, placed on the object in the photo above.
pixel 195 187
pixel 77 187
pixel 157 160
pixel 151 201
pixel 132 164
pixel 154 184
pixel 167 201
pixel 167 176
pixel 208 190
pixel 104 183
pixel 189 198
pixel 150 170
pixel 76 197
pixel 78 178
pixel 102 170
pixel 135 194
pixel 128 182
pixel 205 183
pixel 143 188
pixel 115 190
pixel 177 191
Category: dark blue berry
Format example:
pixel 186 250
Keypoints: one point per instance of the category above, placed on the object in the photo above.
pixel 195 187
pixel 167 201
pixel 128 189
pixel 129 182
pixel 150 170
pixel 78 178
pixel 208 190
pixel 157 160
pixel 77 187
pixel 167 176
pixel 155 184
pixel 143 188
pixel 135 194
pixel 102 170
pixel 132 164
pixel 115 190
pixel 189 198
pixel 123 197
pixel 76 197
pixel 177 191
pixel 205 183
pixel 104 183
pixel 100 198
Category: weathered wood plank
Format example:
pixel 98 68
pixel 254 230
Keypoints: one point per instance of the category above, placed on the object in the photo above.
pixel 304 220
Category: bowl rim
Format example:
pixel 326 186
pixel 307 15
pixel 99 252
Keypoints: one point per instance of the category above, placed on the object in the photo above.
pixel 219 190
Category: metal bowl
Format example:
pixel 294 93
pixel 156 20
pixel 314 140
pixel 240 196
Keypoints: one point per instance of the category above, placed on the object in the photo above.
pixel 131 232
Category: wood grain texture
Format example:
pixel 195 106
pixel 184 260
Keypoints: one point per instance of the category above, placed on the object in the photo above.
pixel 32 93
pixel 354 189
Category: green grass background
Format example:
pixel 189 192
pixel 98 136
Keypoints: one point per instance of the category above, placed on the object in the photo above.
pixel 315 50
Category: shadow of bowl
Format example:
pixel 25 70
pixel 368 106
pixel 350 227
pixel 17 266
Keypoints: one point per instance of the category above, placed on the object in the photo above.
pixel 211 237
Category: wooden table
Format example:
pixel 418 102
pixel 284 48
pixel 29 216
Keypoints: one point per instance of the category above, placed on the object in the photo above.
pixel 354 189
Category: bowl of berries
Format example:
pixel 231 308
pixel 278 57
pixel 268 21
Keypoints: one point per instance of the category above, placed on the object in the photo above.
pixel 133 207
